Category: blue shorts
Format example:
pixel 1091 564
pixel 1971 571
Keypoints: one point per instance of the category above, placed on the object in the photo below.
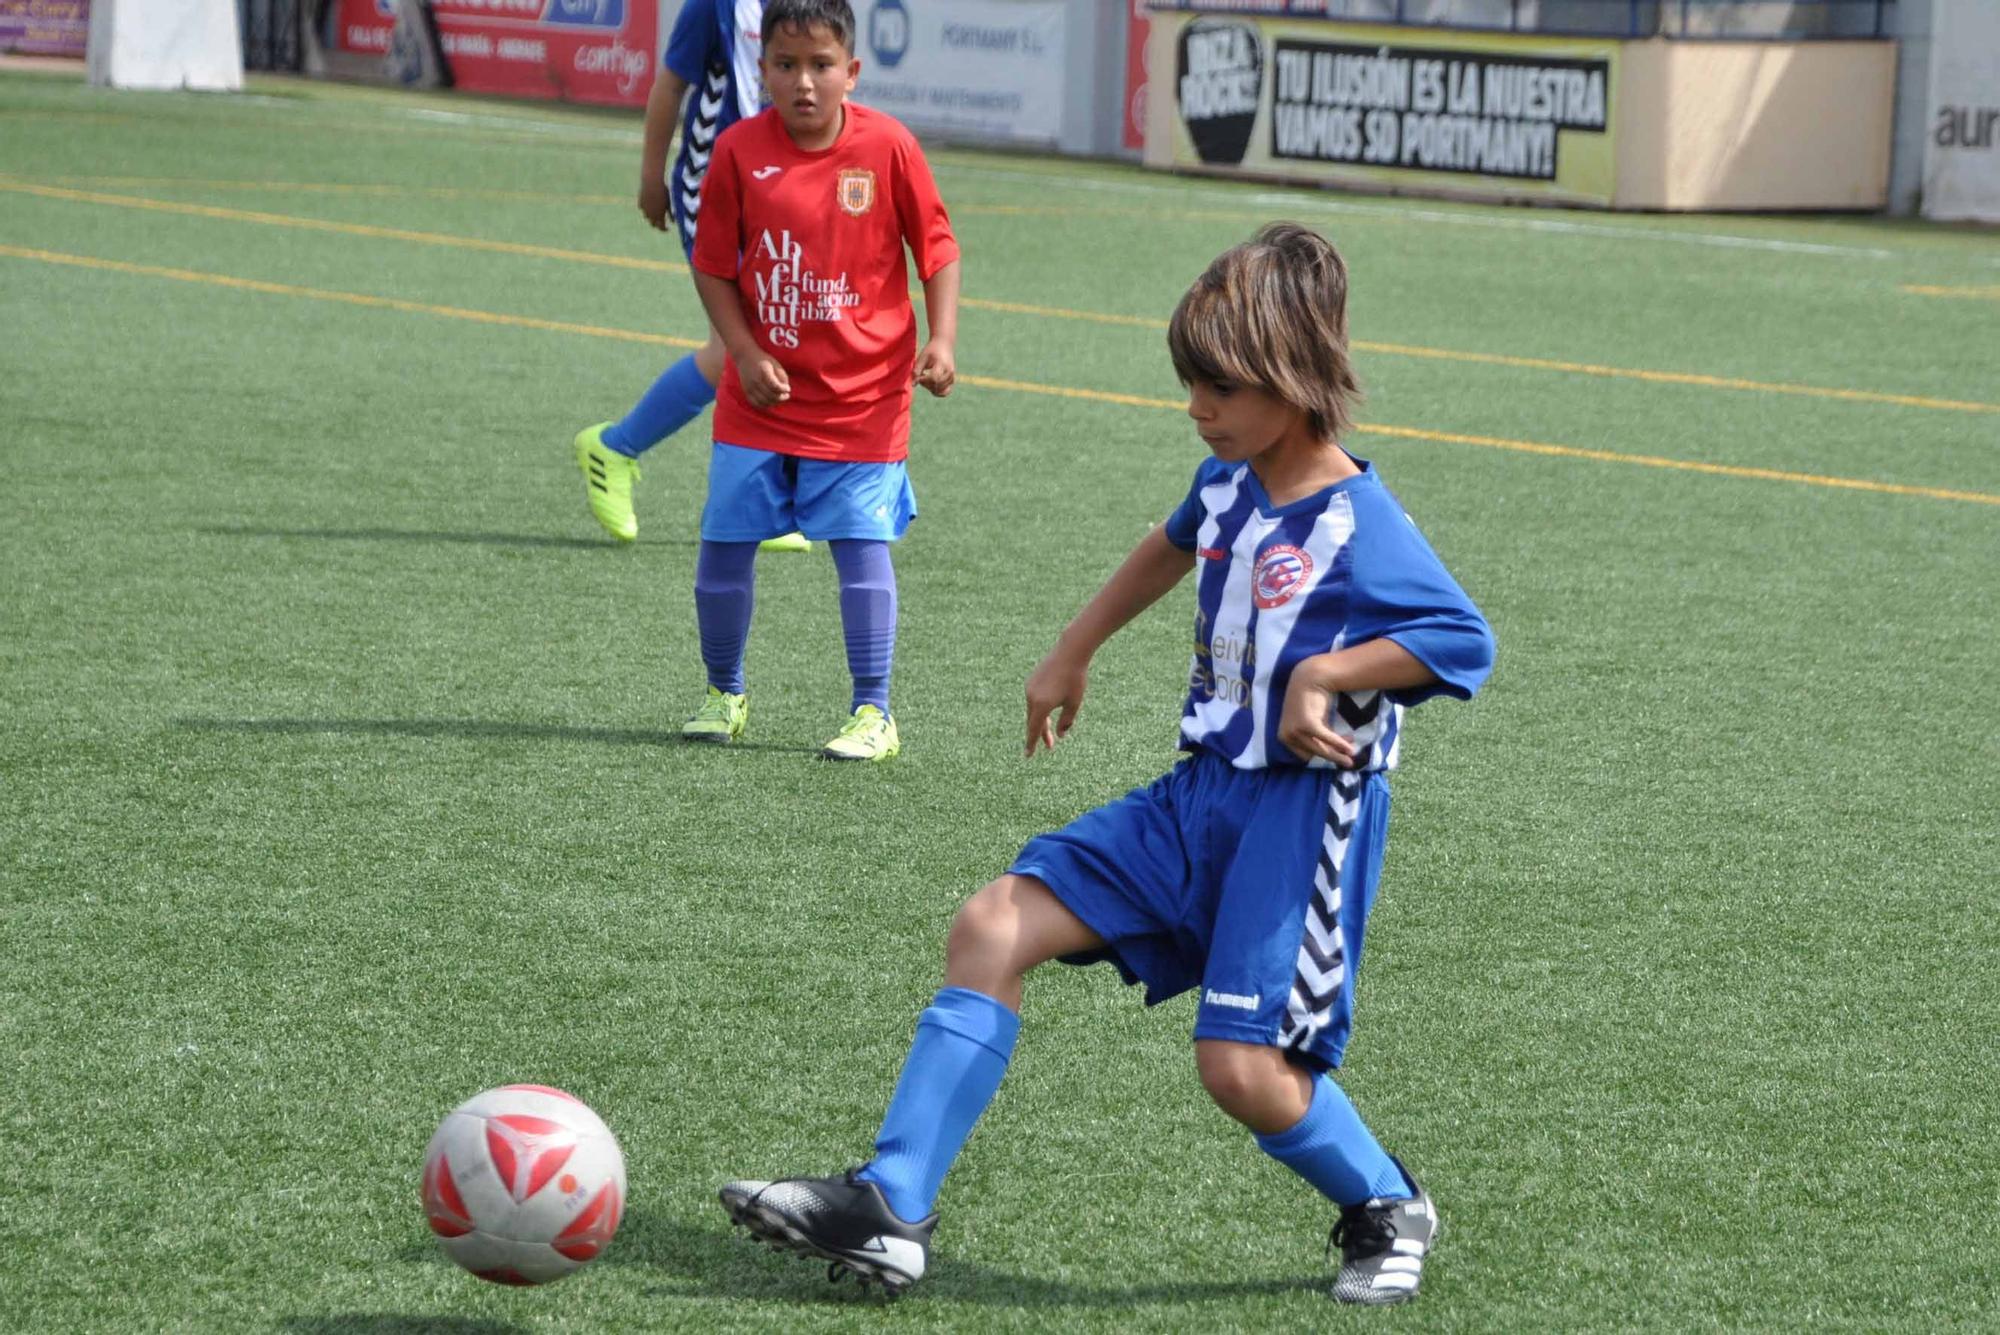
pixel 759 494
pixel 1253 885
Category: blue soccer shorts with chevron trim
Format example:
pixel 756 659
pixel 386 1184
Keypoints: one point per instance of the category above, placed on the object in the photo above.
pixel 1252 885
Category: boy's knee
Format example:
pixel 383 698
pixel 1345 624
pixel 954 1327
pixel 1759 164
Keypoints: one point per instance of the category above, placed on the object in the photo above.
pixel 1252 1083
pixel 983 928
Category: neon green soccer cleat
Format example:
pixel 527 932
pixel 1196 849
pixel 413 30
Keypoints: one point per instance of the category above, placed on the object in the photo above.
pixel 607 483
pixel 791 542
pixel 720 719
pixel 869 735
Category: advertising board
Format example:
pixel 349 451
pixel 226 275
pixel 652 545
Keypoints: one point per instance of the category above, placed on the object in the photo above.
pixel 1499 113
pixel 993 69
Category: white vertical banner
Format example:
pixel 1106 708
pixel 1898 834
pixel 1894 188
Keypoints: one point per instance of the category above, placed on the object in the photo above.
pixel 1962 136
pixel 990 68
pixel 165 44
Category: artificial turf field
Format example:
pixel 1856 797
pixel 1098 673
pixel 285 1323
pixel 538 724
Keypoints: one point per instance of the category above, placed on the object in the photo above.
pixel 339 775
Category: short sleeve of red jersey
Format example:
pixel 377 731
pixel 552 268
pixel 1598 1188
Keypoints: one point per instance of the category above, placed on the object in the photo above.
pixel 717 240
pixel 926 225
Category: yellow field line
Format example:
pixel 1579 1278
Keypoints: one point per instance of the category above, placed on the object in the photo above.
pixel 1681 378
pixel 349 229
pixel 525 196
pixel 372 190
pixel 988 382
pixel 1990 293
pixel 1537 447
pixel 86 117
pixel 1067 392
pixel 1683 465
pixel 1548 364
pixel 349 298
pixel 1019 308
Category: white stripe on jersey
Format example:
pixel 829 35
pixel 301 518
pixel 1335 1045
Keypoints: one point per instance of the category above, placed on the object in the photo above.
pixel 1242 655
pixel 744 50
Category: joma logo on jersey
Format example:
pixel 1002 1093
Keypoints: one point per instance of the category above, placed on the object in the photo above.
pixel 855 191
pixel 1281 572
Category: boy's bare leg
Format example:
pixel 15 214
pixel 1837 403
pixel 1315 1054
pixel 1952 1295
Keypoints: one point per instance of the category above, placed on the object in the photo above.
pixel 1387 1222
pixel 1253 1083
pixel 1005 930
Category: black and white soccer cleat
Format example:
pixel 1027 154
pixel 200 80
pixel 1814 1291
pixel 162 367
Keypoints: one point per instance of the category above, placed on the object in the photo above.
pixel 843 1221
pixel 1383 1244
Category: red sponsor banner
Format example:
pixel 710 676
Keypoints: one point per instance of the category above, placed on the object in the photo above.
pixel 1137 27
pixel 45 27
pixel 599 51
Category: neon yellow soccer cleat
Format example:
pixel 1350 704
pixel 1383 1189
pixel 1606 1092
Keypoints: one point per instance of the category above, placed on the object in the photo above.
pixel 720 719
pixel 607 483
pixel 791 542
pixel 869 735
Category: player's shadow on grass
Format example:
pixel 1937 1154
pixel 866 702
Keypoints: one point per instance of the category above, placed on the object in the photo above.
pixel 723 1263
pixel 419 535
pixel 474 729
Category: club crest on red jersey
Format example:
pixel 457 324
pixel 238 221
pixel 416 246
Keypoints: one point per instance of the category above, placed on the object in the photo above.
pixel 855 191
pixel 1281 572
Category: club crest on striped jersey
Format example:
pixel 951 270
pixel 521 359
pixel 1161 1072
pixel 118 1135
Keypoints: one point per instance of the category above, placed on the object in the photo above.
pixel 854 191
pixel 1281 572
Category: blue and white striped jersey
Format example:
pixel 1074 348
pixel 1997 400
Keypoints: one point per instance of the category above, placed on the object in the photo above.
pixel 714 45
pixel 1278 584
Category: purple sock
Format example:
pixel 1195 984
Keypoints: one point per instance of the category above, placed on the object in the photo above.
pixel 725 593
pixel 867 616
pixel 668 404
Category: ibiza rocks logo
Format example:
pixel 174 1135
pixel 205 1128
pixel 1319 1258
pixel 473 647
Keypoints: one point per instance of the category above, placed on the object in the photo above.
pixel 1281 572
pixel 855 191
pixel 1219 79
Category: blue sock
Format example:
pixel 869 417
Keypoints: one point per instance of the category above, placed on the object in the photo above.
pixel 867 617
pixel 960 1052
pixel 725 593
pixel 1331 1148
pixel 669 404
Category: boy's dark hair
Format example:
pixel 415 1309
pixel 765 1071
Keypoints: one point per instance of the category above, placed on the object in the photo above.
pixel 805 15
pixel 1272 314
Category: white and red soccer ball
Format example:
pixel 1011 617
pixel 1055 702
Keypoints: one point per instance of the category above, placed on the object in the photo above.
pixel 523 1184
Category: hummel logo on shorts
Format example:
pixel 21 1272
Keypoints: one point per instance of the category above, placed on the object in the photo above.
pixel 1234 1000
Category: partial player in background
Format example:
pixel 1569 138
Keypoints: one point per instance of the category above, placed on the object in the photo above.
pixel 1248 870
pixel 799 260
pixel 713 50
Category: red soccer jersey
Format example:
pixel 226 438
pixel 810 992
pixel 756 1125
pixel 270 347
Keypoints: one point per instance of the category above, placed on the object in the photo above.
pixel 814 243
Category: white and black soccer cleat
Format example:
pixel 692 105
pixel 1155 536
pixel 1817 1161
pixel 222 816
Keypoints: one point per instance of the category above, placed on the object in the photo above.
pixel 843 1221
pixel 1383 1244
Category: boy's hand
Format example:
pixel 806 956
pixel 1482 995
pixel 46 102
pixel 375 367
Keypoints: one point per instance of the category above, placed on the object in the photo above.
pixel 653 201
pixel 765 383
pixel 937 369
pixel 1057 683
pixel 1303 727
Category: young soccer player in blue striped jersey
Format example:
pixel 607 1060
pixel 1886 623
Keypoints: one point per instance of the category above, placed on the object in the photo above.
pixel 1247 871
pixel 712 51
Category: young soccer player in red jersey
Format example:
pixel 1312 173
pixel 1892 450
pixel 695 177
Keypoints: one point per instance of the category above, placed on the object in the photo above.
pixel 799 261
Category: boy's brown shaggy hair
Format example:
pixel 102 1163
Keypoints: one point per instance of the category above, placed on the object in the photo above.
pixel 1272 314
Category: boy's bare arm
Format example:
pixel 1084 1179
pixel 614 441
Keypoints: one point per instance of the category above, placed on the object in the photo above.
pixel 765 383
pixel 663 104
pixel 1373 665
pixel 1154 567
pixel 937 360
